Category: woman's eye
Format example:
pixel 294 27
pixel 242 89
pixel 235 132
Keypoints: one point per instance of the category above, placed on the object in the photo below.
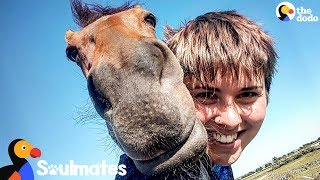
pixel 206 97
pixel 72 53
pixel 248 95
pixel 151 19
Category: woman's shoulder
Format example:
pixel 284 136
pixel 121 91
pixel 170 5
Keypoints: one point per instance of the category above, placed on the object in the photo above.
pixel 222 172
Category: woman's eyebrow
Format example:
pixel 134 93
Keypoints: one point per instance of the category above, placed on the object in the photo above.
pixel 251 88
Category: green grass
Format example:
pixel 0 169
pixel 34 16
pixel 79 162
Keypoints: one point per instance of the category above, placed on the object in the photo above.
pixel 304 167
pixel 259 175
pixel 301 165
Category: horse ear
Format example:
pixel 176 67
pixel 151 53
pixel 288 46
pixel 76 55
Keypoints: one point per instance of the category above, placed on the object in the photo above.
pixel 69 36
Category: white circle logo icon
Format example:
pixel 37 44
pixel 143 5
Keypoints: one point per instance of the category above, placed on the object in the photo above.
pixel 285 11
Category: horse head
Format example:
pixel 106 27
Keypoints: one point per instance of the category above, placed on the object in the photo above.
pixel 136 84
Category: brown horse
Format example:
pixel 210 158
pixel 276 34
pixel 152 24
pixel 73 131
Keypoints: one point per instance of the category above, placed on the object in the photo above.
pixel 136 85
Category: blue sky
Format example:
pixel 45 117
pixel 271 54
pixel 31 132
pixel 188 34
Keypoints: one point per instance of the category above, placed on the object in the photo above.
pixel 41 92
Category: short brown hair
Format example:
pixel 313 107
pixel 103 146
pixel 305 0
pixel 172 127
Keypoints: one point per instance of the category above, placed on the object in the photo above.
pixel 218 42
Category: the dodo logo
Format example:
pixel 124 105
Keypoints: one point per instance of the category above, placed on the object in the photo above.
pixel 19 150
pixel 285 11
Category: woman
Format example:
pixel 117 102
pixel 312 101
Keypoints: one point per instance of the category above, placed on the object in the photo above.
pixel 229 63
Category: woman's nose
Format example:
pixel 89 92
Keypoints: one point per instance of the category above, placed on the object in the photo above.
pixel 229 117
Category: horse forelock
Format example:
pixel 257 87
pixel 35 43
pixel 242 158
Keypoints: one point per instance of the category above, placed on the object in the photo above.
pixel 85 14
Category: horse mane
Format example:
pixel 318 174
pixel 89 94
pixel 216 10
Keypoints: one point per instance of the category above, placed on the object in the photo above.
pixel 85 14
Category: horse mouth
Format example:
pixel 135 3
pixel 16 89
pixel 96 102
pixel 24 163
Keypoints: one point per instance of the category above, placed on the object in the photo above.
pixel 101 103
pixel 177 156
pixel 169 153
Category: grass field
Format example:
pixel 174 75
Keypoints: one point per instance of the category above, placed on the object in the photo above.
pixel 306 166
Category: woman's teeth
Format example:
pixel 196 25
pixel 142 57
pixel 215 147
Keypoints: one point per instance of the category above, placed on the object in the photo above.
pixel 224 138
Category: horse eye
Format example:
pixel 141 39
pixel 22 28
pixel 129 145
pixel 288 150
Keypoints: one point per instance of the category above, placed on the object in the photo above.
pixel 72 53
pixel 151 19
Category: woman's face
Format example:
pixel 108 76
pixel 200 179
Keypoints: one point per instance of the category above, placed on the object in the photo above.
pixel 232 110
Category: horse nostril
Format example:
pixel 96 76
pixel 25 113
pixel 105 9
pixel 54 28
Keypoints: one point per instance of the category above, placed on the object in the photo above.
pixel 72 53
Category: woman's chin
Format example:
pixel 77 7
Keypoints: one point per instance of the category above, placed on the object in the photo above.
pixel 222 158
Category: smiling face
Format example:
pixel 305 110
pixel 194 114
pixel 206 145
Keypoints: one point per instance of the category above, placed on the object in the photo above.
pixel 232 111
pixel 229 63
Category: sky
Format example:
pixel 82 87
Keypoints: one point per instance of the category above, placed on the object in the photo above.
pixel 43 96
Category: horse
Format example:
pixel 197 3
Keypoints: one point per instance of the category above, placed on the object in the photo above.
pixel 136 84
